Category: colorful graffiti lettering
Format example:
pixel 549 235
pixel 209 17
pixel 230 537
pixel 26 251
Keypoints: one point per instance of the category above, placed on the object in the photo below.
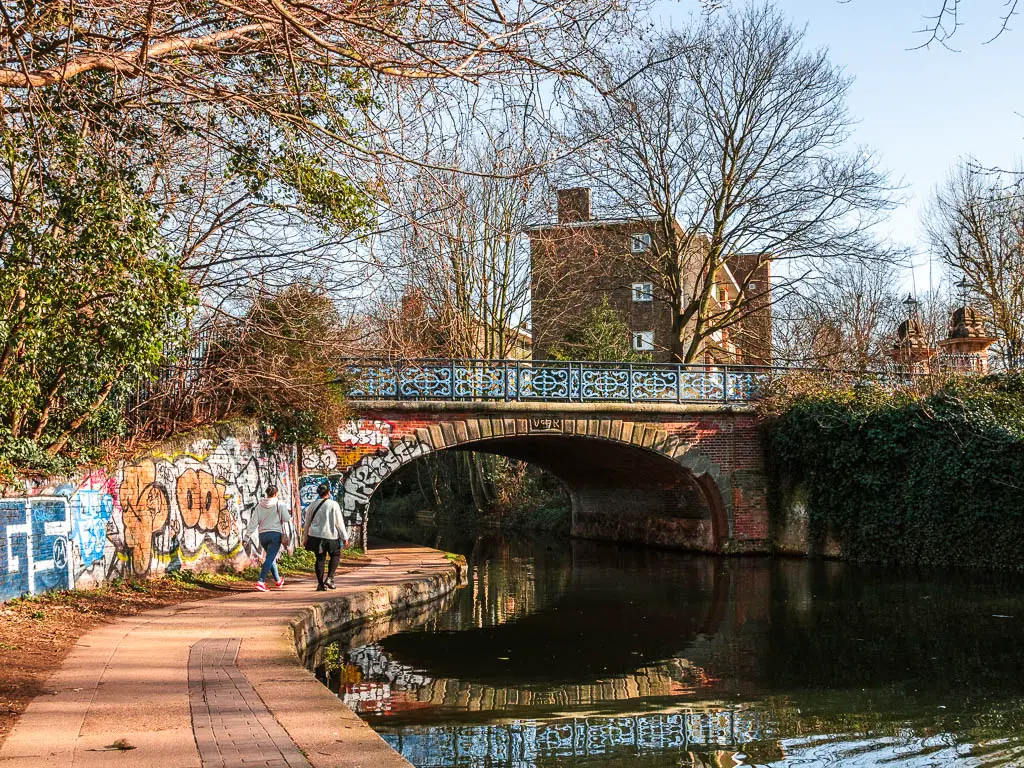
pixel 186 508
pixel 90 517
pixel 34 546
pixel 324 459
pixel 202 502
pixel 365 455
pixel 363 479
pixel 145 511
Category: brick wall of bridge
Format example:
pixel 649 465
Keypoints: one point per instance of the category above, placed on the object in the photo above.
pixel 685 477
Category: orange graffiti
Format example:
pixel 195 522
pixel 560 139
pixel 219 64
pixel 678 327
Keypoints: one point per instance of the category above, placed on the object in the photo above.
pixel 202 502
pixel 350 455
pixel 144 511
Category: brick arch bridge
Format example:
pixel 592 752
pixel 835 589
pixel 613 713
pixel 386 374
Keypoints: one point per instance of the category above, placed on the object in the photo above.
pixel 686 474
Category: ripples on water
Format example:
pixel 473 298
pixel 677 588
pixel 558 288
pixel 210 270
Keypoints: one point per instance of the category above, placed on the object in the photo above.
pixel 583 654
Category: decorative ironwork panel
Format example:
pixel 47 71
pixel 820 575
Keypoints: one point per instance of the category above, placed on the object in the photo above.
pixel 373 382
pixel 480 381
pixel 426 382
pixel 605 383
pixel 746 385
pixel 655 384
pixel 703 385
pixel 512 380
pixel 544 383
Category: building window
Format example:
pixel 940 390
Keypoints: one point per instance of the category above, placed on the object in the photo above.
pixel 643 341
pixel 640 243
pixel 643 292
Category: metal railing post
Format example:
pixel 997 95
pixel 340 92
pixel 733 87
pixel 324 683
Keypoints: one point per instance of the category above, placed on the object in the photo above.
pixel 629 381
pixel 451 384
pixel 679 382
pixel 725 383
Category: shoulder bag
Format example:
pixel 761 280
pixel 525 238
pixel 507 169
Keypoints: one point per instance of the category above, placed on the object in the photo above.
pixel 309 525
pixel 286 526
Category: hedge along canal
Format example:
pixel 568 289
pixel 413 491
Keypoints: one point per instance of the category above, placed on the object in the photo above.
pixel 869 476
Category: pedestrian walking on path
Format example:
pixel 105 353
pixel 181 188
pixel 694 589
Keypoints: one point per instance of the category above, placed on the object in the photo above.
pixel 272 521
pixel 324 535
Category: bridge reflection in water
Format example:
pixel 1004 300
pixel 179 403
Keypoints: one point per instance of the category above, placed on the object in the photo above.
pixel 595 656
pixel 618 700
pixel 525 744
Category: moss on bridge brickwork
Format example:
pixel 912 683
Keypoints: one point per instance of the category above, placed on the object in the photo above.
pixel 935 480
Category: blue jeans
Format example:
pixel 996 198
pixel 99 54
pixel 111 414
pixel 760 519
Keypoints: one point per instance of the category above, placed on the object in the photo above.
pixel 271 544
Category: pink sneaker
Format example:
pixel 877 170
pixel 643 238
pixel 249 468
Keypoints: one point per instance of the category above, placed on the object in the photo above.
pixel 280 583
pixel 261 587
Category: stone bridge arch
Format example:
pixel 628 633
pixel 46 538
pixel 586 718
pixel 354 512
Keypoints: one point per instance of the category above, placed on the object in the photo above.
pixel 671 482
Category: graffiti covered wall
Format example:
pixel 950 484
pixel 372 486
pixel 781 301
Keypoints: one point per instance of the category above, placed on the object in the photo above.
pixel 34 545
pixel 186 507
pixel 364 451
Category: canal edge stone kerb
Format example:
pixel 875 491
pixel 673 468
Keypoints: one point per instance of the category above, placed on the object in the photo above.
pixel 364 478
pixel 318 621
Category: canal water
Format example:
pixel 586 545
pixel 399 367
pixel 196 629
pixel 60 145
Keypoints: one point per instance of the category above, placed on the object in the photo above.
pixel 569 654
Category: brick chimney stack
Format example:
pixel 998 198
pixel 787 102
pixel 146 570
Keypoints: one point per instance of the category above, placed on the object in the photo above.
pixel 573 205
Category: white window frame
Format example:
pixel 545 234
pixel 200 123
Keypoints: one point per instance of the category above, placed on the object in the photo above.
pixel 643 341
pixel 643 293
pixel 640 242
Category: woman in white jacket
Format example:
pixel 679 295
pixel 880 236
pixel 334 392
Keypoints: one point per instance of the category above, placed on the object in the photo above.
pixel 325 533
pixel 272 518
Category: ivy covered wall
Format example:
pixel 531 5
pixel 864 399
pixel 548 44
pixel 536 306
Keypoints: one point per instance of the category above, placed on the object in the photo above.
pixel 936 480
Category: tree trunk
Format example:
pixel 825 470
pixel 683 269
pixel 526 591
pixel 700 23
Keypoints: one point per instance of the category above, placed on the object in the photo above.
pixel 61 441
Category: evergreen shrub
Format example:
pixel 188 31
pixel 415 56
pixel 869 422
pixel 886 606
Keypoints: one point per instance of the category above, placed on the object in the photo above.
pixel 936 479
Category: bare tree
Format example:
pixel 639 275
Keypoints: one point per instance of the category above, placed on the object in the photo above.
pixel 457 261
pixel 277 360
pixel 220 50
pixel 947 19
pixel 844 320
pixel 259 129
pixel 731 142
pixel 975 224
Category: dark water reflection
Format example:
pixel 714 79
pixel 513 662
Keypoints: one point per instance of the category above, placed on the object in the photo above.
pixel 583 654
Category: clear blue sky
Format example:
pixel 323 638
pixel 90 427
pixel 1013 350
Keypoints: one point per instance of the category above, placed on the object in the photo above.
pixel 918 110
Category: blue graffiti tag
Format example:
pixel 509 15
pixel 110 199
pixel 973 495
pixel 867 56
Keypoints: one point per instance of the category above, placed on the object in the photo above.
pixel 34 547
pixel 91 514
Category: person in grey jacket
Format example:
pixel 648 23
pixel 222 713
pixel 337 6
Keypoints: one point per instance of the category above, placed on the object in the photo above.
pixel 271 518
pixel 324 535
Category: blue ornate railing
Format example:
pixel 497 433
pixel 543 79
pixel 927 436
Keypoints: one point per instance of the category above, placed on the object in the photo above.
pixel 554 381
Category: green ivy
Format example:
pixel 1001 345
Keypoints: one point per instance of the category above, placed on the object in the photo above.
pixel 285 427
pixel 935 480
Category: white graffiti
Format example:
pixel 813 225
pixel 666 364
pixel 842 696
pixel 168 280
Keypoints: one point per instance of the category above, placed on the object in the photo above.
pixel 366 432
pixel 365 476
pixel 324 459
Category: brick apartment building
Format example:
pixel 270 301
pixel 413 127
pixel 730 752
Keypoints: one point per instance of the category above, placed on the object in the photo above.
pixel 579 261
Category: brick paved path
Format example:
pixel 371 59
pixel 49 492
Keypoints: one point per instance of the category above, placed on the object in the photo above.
pixel 233 727
pixel 178 688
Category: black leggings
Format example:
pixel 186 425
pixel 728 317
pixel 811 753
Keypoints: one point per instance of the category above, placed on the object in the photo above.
pixel 323 547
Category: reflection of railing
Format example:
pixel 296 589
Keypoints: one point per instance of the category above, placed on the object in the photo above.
pixel 553 381
pixel 533 743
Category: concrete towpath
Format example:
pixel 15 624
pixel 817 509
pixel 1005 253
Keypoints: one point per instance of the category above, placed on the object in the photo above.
pixel 218 682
